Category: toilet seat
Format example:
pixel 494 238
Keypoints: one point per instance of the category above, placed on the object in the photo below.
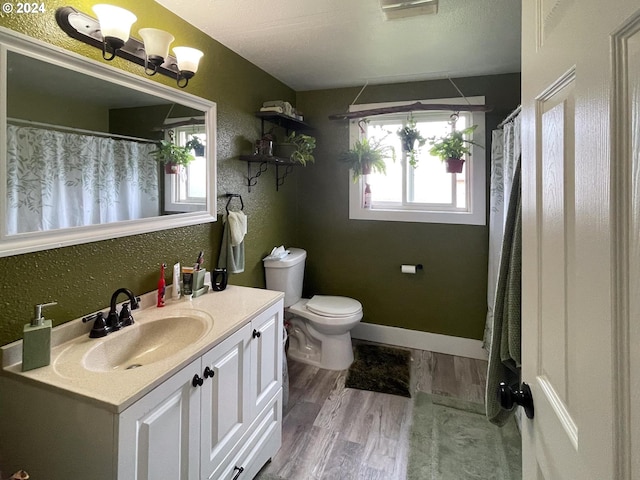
pixel 333 306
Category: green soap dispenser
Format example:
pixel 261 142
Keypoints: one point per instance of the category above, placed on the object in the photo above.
pixel 36 341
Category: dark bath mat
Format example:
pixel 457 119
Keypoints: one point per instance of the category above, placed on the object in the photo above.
pixel 380 369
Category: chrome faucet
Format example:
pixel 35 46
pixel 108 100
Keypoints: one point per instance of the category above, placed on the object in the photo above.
pixel 116 322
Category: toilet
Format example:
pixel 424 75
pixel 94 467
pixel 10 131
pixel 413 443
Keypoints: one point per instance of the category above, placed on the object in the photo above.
pixel 320 327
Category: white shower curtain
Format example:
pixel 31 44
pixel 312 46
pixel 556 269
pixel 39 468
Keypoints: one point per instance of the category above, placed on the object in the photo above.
pixel 505 151
pixel 58 180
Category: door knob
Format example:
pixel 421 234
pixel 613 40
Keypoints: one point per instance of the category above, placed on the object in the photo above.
pixel 208 372
pixel 256 333
pixel 508 397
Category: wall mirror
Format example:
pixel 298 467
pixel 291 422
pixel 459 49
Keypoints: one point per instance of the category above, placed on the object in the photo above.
pixel 76 150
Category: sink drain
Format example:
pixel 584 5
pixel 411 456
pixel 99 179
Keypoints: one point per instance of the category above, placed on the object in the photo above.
pixel 135 365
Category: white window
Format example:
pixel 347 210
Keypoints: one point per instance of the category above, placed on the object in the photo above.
pixel 426 193
pixel 186 191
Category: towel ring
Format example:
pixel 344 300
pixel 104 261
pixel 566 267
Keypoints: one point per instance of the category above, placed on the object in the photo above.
pixel 231 196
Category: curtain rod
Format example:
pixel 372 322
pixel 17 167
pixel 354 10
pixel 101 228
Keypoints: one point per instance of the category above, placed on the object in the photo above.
pixel 411 108
pixel 510 117
pixel 79 130
pixel 182 123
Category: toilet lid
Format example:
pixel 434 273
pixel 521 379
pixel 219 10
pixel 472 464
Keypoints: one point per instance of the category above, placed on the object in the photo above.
pixel 333 306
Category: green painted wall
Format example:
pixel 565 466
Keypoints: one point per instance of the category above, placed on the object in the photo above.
pixel 362 258
pixel 346 257
pixel 81 278
pixel 29 104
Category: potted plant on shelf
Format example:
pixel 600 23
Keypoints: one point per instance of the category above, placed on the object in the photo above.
pixel 411 140
pixel 452 147
pixel 172 156
pixel 297 148
pixel 366 156
pixel 196 145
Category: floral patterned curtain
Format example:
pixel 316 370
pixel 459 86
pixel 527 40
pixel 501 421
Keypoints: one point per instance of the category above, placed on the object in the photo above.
pixel 505 151
pixel 60 180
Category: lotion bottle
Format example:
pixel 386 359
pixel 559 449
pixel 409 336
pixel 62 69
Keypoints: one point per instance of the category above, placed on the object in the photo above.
pixel 36 341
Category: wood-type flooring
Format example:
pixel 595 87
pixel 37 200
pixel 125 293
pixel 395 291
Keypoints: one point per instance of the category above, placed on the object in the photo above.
pixel 333 433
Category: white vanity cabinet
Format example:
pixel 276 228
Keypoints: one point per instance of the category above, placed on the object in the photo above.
pixel 217 418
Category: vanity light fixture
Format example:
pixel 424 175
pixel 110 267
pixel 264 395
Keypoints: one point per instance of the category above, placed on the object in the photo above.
pixel 188 60
pixel 115 41
pixel 156 46
pixel 115 27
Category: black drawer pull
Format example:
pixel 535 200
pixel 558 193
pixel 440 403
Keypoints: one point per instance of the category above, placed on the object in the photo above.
pixel 197 381
pixel 237 475
pixel 256 333
pixel 208 373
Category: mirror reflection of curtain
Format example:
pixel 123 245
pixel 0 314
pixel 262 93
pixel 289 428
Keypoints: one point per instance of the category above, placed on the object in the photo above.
pixel 505 151
pixel 59 180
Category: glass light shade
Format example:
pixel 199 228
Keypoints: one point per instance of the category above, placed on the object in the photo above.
pixel 156 42
pixel 114 21
pixel 188 58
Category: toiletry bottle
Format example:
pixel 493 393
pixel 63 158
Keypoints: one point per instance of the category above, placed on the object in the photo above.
pixel 161 286
pixel 176 280
pixel 367 196
pixel 36 341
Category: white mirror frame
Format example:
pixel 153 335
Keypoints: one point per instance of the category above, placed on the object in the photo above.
pixel 37 241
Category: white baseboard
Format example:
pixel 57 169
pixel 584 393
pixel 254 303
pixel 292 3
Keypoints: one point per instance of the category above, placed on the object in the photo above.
pixel 433 342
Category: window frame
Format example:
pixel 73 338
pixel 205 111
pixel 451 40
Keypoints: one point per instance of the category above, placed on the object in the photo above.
pixel 475 214
pixel 172 203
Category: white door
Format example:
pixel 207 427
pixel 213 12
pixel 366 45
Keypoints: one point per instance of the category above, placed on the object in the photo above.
pixel 581 238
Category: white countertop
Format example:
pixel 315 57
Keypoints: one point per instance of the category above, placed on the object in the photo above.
pixel 116 390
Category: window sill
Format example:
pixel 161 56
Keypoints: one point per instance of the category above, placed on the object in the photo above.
pixel 417 216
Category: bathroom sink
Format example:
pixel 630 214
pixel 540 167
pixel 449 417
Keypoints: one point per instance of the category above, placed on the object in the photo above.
pixel 143 343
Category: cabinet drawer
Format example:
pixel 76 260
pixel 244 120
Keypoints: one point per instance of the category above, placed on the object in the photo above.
pixel 262 441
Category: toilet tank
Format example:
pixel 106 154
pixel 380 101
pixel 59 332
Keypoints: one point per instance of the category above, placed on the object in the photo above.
pixel 286 275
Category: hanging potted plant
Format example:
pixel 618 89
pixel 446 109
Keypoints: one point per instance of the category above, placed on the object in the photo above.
pixel 411 140
pixel 452 147
pixel 368 155
pixel 297 148
pixel 172 156
pixel 196 145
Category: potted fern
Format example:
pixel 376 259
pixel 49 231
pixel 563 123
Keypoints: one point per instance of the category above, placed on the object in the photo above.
pixel 411 140
pixel 196 145
pixel 172 156
pixel 366 156
pixel 452 147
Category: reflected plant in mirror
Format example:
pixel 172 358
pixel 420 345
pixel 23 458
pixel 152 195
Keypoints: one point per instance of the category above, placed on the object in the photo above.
pixel 81 149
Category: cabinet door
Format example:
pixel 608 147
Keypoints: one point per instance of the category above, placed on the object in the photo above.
pixel 266 356
pixel 226 408
pixel 159 435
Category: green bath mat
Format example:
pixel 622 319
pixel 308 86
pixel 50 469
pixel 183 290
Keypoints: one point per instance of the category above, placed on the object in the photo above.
pixel 380 369
pixel 452 439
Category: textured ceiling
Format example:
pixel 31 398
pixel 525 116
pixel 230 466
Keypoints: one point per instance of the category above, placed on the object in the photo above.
pixel 314 44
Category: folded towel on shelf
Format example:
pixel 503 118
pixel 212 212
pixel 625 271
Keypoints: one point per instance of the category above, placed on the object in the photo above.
pixel 272 109
pixel 231 257
pixel 238 225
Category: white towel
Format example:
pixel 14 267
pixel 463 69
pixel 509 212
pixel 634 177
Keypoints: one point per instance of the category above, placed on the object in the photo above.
pixel 238 226
pixel 272 109
pixel 231 257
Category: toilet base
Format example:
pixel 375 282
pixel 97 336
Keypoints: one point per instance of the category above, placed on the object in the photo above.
pixel 307 345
